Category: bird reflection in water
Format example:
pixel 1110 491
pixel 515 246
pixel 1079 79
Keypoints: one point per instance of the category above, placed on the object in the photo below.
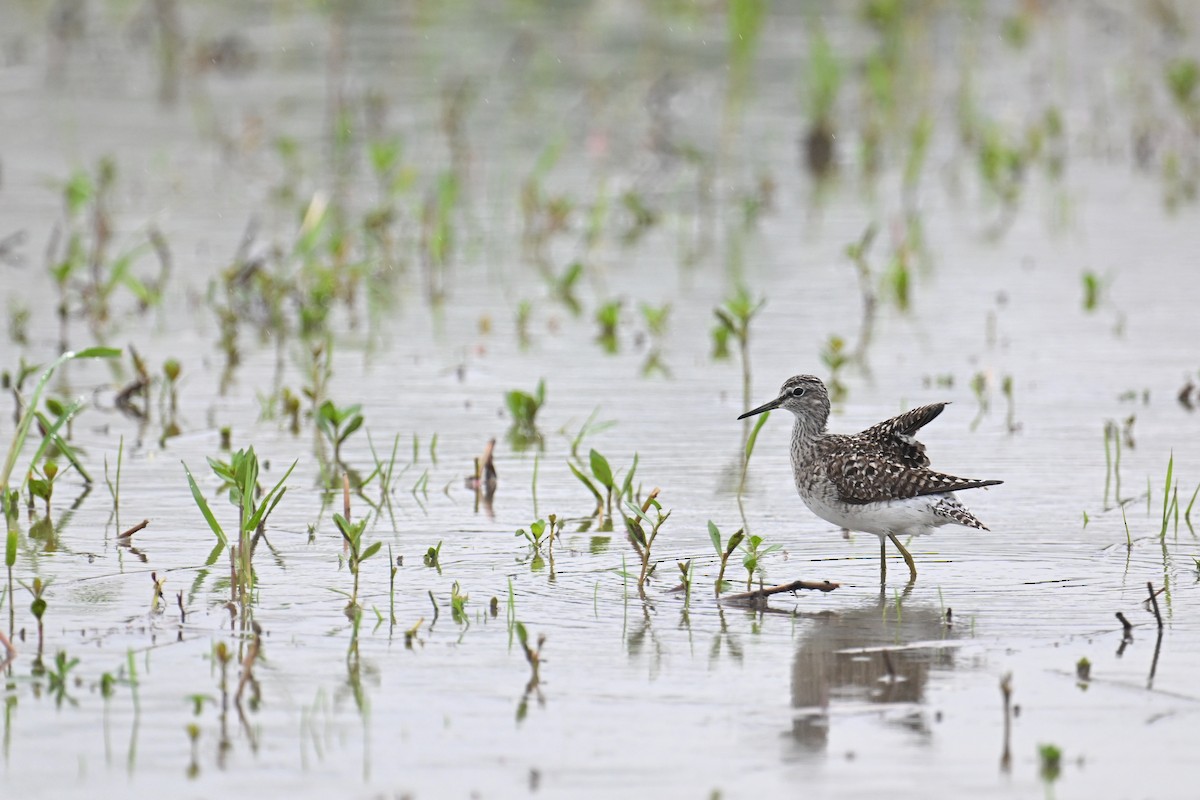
pixel 863 659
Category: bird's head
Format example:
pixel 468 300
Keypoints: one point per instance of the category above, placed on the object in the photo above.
pixel 803 395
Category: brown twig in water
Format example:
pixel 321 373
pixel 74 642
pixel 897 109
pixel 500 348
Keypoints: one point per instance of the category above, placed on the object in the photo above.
pixel 125 398
pixel 489 467
pixel 1126 625
pixel 158 587
pixel 248 664
pixel 1006 691
pixel 1154 603
pixel 534 657
pixel 1154 661
pixel 762 594
pixel 887 664
pixel 127 535
pixel 483 481
pixel 9 651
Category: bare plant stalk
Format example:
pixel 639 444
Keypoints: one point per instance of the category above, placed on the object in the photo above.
pixel 762 594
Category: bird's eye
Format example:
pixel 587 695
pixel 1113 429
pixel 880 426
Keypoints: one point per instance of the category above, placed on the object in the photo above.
pixel 798 391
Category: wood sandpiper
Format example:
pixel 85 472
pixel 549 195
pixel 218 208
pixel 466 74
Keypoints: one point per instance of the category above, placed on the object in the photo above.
pixel 877 481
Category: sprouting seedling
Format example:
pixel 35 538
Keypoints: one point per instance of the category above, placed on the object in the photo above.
pixel 534 535
pixel 541 532
pixel 63 413
pixel 384 472
pixel 57 676
pixel 641 217
pixel 21 434
pixel 733 320
pixel 392 175
pixel 171 371
pixel 42 486
pixel 1006 389
pixel 563 287
pixel 823 82
pixel 523 408
pixel 745 23
pixel 723 551
pixel 1050 757
pixel 240 476
pixel 898 279
pixel 590 427
pixel 522 318
pixel 338 423
pixel 857 253
pixel 1092 288
pixel 1170 499
pixel 641 538
pixel 979 386
pixel 835 357
pixel 290 404
pixel 656 318
pixel 458 605
pixel 352 534
pixel 38 605
pixel 1183 75
pixel 753 553
pixel 608 318
pixel 603 478
pixel 437 231
pixel 685 576
pixel 433 557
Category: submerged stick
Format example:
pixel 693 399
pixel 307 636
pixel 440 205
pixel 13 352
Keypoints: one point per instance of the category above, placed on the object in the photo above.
pixel 760 594
pixel 1154 603
pixel 10 652
pixel 248 664
pixel 887 665
pixel 127 535
pixel 1126 625
pixel 1006 693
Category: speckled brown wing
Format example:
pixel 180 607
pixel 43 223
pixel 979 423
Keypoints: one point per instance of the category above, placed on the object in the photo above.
pixel 907 423
pixel 894 437
pixel 862 474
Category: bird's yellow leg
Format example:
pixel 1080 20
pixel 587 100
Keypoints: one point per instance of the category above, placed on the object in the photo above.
pixel 882 564
pixel 908 559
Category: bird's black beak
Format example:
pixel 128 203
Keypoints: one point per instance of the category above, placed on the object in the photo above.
pixel 764 407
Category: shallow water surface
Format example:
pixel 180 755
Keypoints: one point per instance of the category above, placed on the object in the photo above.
pixel 856 692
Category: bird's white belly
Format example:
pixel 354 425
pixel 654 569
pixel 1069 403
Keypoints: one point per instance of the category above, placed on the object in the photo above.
pixel 911 516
